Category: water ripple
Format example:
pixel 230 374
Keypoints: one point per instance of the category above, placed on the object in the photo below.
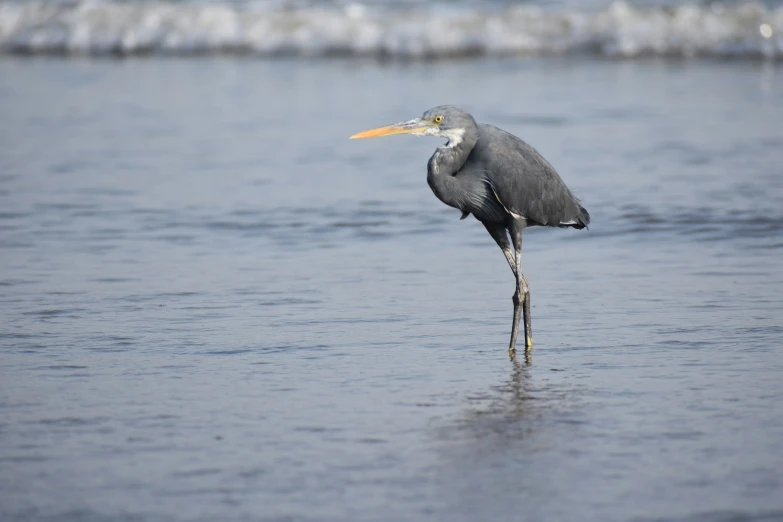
pixel 700 224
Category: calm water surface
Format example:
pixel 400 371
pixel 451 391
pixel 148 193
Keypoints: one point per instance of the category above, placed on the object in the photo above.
pixel 215 307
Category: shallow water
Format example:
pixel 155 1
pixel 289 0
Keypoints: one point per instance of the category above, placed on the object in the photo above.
pixel 216 307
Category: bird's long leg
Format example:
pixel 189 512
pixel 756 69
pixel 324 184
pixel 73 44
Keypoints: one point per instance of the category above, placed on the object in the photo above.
pixel 498 233
pixel 515 231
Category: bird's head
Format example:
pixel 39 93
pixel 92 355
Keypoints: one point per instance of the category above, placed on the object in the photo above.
pixel 445 121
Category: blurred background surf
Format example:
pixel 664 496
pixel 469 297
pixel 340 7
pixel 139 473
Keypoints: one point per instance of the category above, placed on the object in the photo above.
pixel 214 306
pixel 396 28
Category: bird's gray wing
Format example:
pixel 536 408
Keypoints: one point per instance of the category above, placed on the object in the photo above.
pixel 524 182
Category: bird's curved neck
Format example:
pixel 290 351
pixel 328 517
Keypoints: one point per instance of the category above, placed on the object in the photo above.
pixel 449 158
pixel 446 162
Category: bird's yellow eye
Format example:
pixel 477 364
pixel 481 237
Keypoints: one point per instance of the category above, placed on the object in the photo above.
pixel 438 118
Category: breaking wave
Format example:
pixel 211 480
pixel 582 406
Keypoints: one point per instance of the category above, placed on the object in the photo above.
pixel 405 30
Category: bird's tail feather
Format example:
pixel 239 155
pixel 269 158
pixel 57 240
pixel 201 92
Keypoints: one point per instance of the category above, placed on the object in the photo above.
pixel 584 216
pixel 581 221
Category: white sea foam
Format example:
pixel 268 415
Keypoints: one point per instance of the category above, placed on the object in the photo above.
pixel 402 30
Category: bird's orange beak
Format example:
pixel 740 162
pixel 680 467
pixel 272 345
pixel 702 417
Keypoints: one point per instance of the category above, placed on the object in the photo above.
pixel 417 126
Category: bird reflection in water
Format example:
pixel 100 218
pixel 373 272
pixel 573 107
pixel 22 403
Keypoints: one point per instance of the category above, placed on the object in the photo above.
pixel 502 411
pixel 527 358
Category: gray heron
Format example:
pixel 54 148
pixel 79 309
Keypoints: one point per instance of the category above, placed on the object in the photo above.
pixel 504 182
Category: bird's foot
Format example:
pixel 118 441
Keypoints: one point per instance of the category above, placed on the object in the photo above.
pixel 512 353
pixel 528 343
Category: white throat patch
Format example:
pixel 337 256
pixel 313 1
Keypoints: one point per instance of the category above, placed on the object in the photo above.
pixel 454 136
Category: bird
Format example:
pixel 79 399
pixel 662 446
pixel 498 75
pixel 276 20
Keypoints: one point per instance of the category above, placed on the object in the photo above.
pixel 501 180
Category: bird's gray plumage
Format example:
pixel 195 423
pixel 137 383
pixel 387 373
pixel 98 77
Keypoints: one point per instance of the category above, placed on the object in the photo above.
pixel 497 176
pixel 504 182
